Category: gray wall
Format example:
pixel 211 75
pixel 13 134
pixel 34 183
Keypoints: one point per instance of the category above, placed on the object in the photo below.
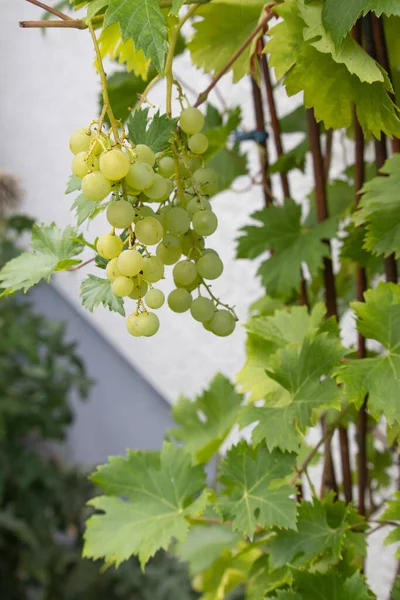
pixel 123 410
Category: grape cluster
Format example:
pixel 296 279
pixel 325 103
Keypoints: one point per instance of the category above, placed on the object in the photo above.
pixel 161 204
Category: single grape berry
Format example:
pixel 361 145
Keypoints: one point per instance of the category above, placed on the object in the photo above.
pixel 114 164
pixel 202 309
pixel 140 176
pixel 191 120
pixel 95 186
pixel 191 240
pixel 158 189
pixel 80 141
pixel 207 180
pixel 140 288
pixel 184 273
pixel 149 231
pixel 204 222
pixel 170 241
pixel 177 221
pixel 145 154
pixel 109 246
pixel 223 323
pixel 112 269
pixel 122 286
pixel 210 266
pixel 168 256
pixel 166 166
pixel 120 214
pixel 198 143
pixel 179 300
pixel 195 204
pixel 82 164
pixel 130 263
pixel 154 298
pixel 153 269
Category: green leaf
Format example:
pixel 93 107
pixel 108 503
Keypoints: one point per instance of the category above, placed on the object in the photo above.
pixel 157 135
pixel 294 121
pixel 293 159
pixel 84 208
pixel 293 244
pixel 74 184
pixel 230 23
pixel 95 7
pixel 205 423
pixel 143 22
pixel 161 489
pixel 395 591
pixel 392 513
pixel 340 195
pixel 378 319
pixel 229 164
pixel 331 586
pixel 252 495
pixel 53 251
pixel 124 89
pixel 353 249
pixel 379 210
pixel 176 6
pixel 96 291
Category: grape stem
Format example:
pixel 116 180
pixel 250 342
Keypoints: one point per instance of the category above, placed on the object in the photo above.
pixel 143 97
pixel 218 301
pixel 81 265
pixel 51 10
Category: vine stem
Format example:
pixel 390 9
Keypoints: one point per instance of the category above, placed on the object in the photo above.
pixel 51 10
pixel 87 262
pixel 143 96
pixel 260 27
pixel 173 38
pixel 262 146
pixel 218 301
pixel 103 80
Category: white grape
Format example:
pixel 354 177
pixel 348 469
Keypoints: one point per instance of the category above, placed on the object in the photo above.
pixel 166 166
pixel 177 221
pixel 184 273
pixel 154 298
pixel 196 204
pixel 153 269
pixel 179 300
pixel 149 231
pixel 145 154
pixel 114 164
pixel 140 288
pixel 140 176
pixel 205 222
pixel 210 266
pixel 82 164
pixel 168 256
pixel 130 263
pixel 202 309
pixel 223 323
pixel 146 324
pixel 158 189
pixel 122 286
pixel 191 120
pixel 198 143
pixel 120 214
pixel 112 269
pixel 109 246
pixel 95 186
pixel 80 141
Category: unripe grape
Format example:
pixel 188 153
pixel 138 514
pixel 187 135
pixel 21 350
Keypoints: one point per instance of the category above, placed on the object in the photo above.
pixel 191 120
pixel 166 166
pixel 154 298
pixel 195 284
pixel 202 309
pixel 140 176
pixel 149 231
pixel 179 300
pixel 140 288
pixel 210 266
pixel 109 246
pixel 132 325
pixel 153 269
pixel 146 324
pixel 80 141
pixel 207 180
pixel 184 273
pixel 145 154
pixel 120 214
pixel 95 186
pixel 223 323
pixel 170 241
pixel 205 222
pixel 177 221
pixel 114 164
pixel 122 286
pixel 145 211
pixel 189 241
pixel 130 263
pixel 168 256
pixel 158 189
pixel 82 164
pixel 169 188
pixel 112 269
pixel 198 143
pixel 196 204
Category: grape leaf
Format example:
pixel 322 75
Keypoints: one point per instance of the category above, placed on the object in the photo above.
pixel 95 7
pixel 161 489
pixel 282 232
pixel 286 595
pixel 339 16
pixel 229 23
pixel 96 291
pixel 123 90
pixel 229 164
pixel 176 6
pixel 143 22
pixel 252 495
pixel 112 46
pixel 53 251
pixel 392 513
pixel 73 184
pixel 157 135
pixel 205 422
pixel 340 195
pixel 84 208
pixel 293 159
pixel 331 586
pixel 378 319
pixel 294 121
pixel 263 581
pixel 379 210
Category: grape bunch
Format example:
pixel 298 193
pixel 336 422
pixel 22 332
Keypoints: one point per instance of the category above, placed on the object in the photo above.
pixel 161 204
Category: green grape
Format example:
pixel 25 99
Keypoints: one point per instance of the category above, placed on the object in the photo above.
pixel 205 222
pixel 184 170
pixel 102 142
pixel 170 241
pixel 145 211
pixel 120 214
pixel 145 154
pixel 207 180
pixel 168 256
pixel 179 300
pixel 184 273
pixel 196 204
pixel 196 162
pixel 95 186
pixel 189 241
pixel 82 164
pixel 122 286
pixel 109 246
pixel 80 141
pixel 153 269
pixel 177 221
pixel 202 309
pixel 191 120
pixel 166 166
pixel 198 143
pixel 169 188
pixel 195 284
pixel 140 288
pixel 154 298
pixel 210 266
pixel 112 269
pixel 223 323
pixel 158 189
pixel 130 263
pixel 140 176
pixel 146 324
pixel 114 164
pixel 149 231
pixel 131 191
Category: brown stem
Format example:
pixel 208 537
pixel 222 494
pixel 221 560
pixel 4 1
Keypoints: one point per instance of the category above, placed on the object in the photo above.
pixel 51 10
pixel 260 27
pixel 81 265
pixel 262 146
pixel 328 152
pixel 72 24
